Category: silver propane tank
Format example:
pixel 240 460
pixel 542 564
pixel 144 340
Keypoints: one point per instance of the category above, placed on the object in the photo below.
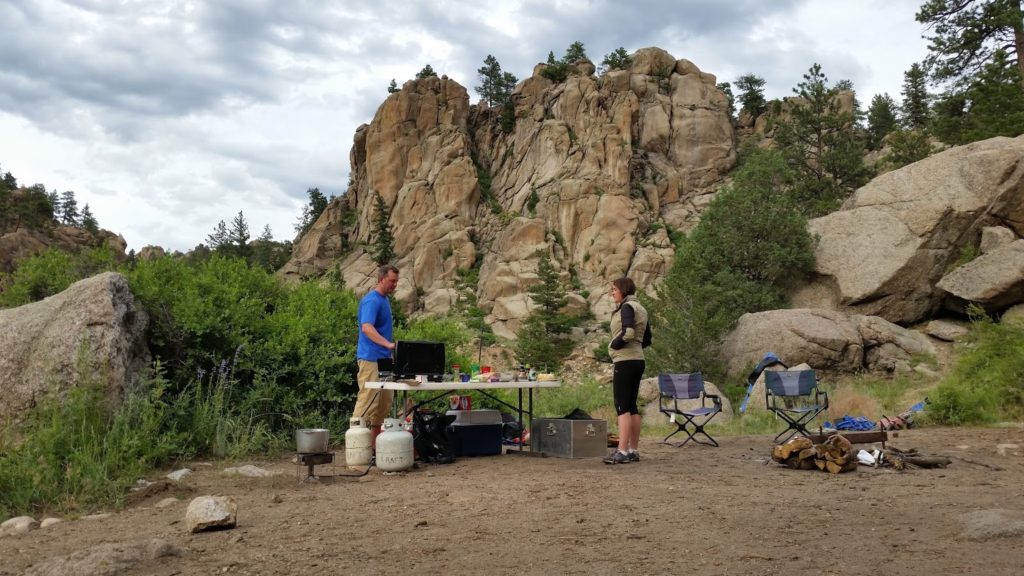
pixel 394 447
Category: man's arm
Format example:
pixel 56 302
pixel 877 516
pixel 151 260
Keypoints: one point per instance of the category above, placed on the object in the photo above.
pixel 372 334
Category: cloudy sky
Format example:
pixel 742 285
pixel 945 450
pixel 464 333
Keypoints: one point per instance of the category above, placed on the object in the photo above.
pixel 167 116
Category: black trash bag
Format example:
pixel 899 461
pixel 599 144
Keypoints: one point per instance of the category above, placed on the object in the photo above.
pixel 430 437
pixel 577 414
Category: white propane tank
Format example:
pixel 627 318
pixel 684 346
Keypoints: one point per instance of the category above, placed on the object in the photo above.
pixel 394 447
pixel 358 444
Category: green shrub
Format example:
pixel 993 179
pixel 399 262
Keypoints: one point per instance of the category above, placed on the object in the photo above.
pixel 750 247
pixel 51 272
pixel 987 383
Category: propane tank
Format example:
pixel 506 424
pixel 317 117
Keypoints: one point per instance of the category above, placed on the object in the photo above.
pixel 358 449
pixel 394 447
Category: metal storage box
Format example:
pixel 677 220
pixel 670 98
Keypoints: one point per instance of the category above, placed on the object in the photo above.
pixel 569 438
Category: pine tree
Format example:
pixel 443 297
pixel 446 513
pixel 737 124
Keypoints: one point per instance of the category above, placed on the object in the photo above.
pixel 393 87
pixel 69 209
pixel 574 53
pixel 751 94
pixel 88 220
pixel 219 237
pixel 383 239
pixel 967 34
pixel 820 144
pixel 238 236
pixel 915 99
pixel 541 340
pixel 495 86
pixel 881 119
pixel 426 72
pixel 618 59
pixel 312 210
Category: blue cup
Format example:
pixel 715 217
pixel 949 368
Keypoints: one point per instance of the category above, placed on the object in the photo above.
pixel 464 377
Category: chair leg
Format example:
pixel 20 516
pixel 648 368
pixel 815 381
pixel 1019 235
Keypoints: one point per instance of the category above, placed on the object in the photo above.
pixel 678 430
pixel 692 434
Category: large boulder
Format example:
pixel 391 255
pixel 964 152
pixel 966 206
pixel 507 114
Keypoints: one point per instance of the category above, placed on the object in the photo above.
pixel 823 339
pixel 47 346
pixel 994 280
pixel 884 252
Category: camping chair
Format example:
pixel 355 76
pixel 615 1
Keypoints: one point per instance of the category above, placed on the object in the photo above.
pixel 794 396
pixel 678 388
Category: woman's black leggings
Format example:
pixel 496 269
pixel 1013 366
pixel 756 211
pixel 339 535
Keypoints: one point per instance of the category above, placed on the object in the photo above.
pixel 626 378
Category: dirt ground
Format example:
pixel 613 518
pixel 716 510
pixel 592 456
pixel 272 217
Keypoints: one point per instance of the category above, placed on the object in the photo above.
pixel 695 509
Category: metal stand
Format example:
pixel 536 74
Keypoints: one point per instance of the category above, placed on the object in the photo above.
pixel 310 460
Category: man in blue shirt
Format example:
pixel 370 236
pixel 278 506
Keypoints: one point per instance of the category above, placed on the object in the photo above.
pixel 376 341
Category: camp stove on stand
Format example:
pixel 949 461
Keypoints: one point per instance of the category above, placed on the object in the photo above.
pixel 311 449
pixel 309 460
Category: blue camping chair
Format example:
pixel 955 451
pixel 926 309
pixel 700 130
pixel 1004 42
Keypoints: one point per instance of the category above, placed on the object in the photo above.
pixel 794 396
pixel 676 388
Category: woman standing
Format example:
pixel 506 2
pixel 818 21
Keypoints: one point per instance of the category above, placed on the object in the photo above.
pixel 630 333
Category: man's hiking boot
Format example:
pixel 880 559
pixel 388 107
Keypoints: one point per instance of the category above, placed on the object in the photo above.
pixel 616 457
pixel 633 456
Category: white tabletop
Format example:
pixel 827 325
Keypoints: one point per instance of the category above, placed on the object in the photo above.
pixel 463 385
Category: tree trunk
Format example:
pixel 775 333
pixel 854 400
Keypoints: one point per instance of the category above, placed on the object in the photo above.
pixel 1018 41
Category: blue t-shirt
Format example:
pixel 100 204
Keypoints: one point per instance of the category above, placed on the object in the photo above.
pixel 375 309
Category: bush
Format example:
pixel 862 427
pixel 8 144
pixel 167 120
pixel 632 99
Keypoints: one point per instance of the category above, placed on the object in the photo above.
pixel 987 383
pixel 51 272
pixel 750 247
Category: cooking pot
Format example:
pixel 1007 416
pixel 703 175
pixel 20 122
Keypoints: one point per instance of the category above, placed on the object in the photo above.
pixel 311 440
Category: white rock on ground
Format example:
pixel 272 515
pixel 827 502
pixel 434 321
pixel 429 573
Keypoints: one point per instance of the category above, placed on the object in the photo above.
pixel 19 525
pixel 177 475
pixel 210 513
pixel 249 470
pixel 47 522
pixel 169 501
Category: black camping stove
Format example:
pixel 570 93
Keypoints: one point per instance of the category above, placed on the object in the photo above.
pixel 311 459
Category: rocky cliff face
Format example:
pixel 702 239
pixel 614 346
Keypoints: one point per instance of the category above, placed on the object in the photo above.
pixel 591 174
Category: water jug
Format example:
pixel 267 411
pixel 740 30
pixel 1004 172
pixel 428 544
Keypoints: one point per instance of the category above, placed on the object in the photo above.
pixel 358 448
pixel 394 447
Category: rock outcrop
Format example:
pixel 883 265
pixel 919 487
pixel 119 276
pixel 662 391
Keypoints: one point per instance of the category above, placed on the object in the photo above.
pixel 885 252
pixel 823 339
pixel 588 167
pixel 46 346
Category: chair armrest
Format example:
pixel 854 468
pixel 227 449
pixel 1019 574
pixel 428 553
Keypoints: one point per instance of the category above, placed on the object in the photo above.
pixel 715 398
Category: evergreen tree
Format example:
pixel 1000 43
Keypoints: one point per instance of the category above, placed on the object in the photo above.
pixel 907 147
pixel 219 237
pixel 54 199
pixel 967 34
pixel 238 236
pixel 574 53
pixel 541 340
pixel 69 209
pixel 751 94
pixel 495 86
pixel 618 59
pixel 915 98
pixel 992 106
pixel 383 239
pixel 750 248
pixel 726 89
pixel 881 119
pixel 819 142
pixel 88 220
pixel 312 210
pixel 393 87
pixel 426 72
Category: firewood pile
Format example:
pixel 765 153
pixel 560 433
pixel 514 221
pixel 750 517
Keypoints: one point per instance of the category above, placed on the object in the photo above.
pixel 834 455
